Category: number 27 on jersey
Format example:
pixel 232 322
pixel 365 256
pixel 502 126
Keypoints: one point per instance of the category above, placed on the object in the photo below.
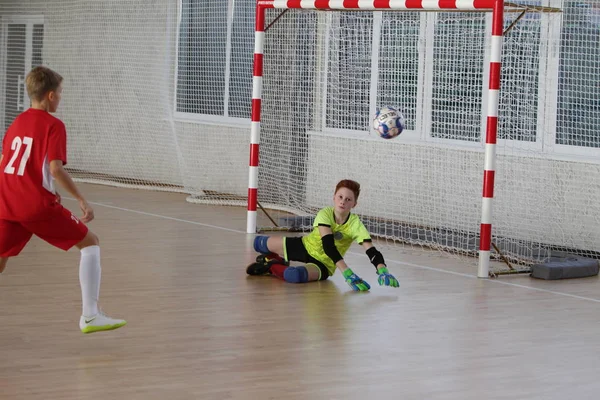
pixel 17 143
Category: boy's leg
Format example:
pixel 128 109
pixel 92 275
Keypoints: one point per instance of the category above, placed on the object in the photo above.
pixel 270 249
pixel 299 274
pixel 294 249
pixel 13 238
pixel 269 244
pixel 90 272
pixel 63 230
pixel 302 274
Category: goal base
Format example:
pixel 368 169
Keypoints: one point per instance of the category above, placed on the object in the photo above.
pixel 565 266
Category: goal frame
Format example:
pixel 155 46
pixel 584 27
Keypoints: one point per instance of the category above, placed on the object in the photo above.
pixel 496 7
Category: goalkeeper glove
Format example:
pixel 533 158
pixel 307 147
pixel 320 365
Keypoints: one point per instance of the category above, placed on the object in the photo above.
pixel 386 279
pixel 356 283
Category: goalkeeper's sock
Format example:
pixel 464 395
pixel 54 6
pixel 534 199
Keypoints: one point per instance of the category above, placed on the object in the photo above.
pixel 278 270
pixel 271 257
pixel 274 257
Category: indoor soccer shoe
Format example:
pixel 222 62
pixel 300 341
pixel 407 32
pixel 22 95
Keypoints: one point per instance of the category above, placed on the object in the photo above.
pixel 99 322
pixel 266 258
pixel 263 263
pixel 259 268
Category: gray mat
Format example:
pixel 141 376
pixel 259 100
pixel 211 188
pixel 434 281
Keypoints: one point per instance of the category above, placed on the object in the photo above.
pixel 565 267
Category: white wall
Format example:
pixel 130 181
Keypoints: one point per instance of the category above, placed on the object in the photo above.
pixel 118 61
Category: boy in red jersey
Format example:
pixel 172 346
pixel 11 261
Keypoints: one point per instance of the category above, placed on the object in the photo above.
pixel 34 151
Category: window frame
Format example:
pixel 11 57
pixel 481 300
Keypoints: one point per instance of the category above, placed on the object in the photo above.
pixel 209 119
pixel 29 21
pixel 544 146
pixel 411 135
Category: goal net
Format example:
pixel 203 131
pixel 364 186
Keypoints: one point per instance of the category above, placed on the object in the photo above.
pixel 325 73
pixel 157 95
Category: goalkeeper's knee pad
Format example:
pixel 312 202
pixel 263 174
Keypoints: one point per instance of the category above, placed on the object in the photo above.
pixel 260 244
pixel 296 275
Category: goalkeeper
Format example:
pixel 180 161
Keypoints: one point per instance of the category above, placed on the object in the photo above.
pixel 322 251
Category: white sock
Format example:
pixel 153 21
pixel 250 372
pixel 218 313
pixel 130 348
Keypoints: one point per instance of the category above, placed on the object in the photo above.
pixel 89 279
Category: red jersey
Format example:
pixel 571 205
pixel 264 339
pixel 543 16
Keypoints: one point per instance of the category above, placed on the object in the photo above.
pixel 34 139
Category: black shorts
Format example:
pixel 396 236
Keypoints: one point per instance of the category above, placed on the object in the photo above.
pixel 295 251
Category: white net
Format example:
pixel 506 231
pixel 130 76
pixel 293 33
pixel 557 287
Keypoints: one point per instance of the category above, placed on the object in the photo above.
pixel 157 95
pixel 140 113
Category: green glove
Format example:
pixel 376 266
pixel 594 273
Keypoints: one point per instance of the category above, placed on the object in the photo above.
pixel 386 279
pixel 355 282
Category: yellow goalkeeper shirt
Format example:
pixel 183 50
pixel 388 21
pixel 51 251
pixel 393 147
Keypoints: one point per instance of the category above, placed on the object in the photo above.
pixel 344 234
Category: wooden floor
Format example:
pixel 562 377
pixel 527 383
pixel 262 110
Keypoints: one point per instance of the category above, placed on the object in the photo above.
pixel 199 328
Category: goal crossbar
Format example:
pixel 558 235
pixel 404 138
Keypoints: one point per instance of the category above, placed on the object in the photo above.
pixel 401 5
pixel 374 5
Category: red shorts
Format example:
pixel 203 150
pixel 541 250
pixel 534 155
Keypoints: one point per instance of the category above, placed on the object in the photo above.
pixel 59 227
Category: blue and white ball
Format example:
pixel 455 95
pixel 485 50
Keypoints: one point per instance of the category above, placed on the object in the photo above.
pixel 388 122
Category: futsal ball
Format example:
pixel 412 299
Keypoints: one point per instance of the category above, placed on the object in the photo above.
pixel 388 122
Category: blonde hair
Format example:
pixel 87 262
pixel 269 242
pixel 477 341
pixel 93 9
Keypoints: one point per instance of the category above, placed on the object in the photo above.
pixel 40 81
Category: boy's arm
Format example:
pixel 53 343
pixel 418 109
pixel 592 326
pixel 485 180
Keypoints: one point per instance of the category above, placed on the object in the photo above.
pixel 380 262
pixel 64 179
pixel 340 264
pixel 353 280
pixel 385 278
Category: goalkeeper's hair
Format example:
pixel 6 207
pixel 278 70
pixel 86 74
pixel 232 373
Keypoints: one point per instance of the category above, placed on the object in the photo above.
pixel 349 184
